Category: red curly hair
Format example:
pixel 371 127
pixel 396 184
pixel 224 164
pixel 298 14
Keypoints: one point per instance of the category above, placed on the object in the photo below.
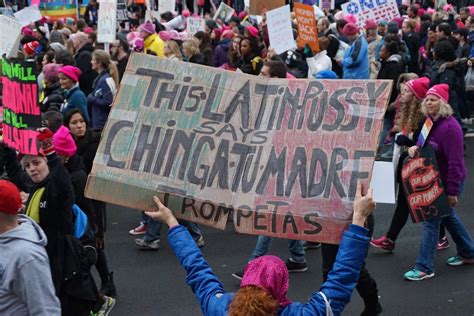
pixel 253 301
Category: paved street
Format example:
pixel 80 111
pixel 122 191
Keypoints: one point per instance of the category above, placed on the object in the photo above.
pixel 153 283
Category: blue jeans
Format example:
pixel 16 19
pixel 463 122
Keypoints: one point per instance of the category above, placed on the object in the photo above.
pixel 455 227
pixel 154 227
pixel 295 247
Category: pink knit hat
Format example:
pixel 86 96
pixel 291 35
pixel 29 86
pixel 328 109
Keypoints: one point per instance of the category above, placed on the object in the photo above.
pixel 71 72
pixel 439 90
pixel 50 72
pixel 27 31
pixel 270 274
pixel 351 18
pixel 419 87
pixel 252 31
pixel 370 25
pixel 63 142
pixel 147 27
pixel 228 34
pixel 350 29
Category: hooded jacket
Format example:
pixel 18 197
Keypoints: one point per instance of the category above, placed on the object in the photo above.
pixel 26 286
pixel 154 45
pixel 356 60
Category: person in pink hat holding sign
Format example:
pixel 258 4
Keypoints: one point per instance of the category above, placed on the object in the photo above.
pixel 446 137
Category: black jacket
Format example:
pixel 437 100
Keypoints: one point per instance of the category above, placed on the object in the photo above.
pixel 54 97
pixel 391 69
pixel 251 64
pixel 412 41
pixel 78 174
pixel 87 147
pixel 83 62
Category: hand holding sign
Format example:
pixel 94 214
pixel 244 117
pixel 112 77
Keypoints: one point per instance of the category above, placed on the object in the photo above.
pixel 162 214
pixel 364 205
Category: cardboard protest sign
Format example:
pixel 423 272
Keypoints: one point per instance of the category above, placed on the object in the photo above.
pixel 423 188
pixel 166 5
pixel 224 12
pixel 28 15
pixel 56 9
pixel 21 112
pixel 371 10
pixel 257 7
pixel 9 36
pixel 284 155
pixel 107 21
pixel 306 23
pixel 195 25
pixel 327 4
pixel 280 32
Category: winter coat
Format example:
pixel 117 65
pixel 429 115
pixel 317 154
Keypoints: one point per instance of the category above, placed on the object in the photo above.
pixel 412 41
pixel 55 209
pixel 83 62
pixel 75 98
pixel 78 174
pixel 100 100
pixel 251 64
pixel 154 45
pixel 25 283
pixel 221 52
pixel 356 60
pixel 446 137
pixel 87 147
pixel 214 300
pixel 391 69
pixel 53 97
pixel 121 66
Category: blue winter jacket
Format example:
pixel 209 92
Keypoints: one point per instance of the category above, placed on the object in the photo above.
pixel 355 63
pixel 214 300
pixel 101 98
pixel 75 98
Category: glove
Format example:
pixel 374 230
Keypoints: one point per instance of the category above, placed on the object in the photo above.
pixel 402 140
pixel 45 137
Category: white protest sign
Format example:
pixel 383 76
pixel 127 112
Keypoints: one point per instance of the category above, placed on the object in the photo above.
pixel 280 32
pixel 371 10
pixel 224 12
pixel 166 5
pixel 327 4
pixel 6 11
pixel 383 182
pixel 9 35
pixel 195 25
pixel 107 21
pixel 28 15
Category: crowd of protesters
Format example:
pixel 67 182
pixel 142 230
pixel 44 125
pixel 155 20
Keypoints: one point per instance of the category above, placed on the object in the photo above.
pixel 427 53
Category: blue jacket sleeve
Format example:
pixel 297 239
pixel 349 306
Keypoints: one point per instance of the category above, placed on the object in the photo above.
pixel 102 95
pixel 341 280
pixel 204 283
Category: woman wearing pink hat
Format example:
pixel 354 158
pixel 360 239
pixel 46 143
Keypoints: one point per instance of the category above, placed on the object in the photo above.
pixel 446 137
pixel 75 98
pixel 264 286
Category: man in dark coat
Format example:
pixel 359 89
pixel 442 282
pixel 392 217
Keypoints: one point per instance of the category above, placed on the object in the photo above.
pixel 83 61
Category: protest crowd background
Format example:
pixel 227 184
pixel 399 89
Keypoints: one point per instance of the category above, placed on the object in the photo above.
pixel 64 66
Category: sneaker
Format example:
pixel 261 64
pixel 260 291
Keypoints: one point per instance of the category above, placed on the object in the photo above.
pixel 417 275
pixel 107 307
pixel 296 266
pixel 147 245
pixel 139 230
pixel 238 275
pixel 311 245
pixel 459 261
pixel 443 243
pixel 383 243
pixel 200 242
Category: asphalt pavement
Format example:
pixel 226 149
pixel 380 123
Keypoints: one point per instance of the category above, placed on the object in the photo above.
pixel 153 282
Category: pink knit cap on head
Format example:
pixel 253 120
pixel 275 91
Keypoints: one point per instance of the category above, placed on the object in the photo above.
pixel 27 31
pixel 228 34
pixel 186 13
pixel 270 274
pixel 418 87
pixel 50 72
pixel 63 143
pixel 370 25
pixel 71 72
pixel 252 31
pixel 242 15
pixel 440 90
pixel 350 29
pixel 147 27
pixel 351 18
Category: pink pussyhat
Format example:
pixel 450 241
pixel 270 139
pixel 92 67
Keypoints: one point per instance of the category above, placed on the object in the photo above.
pixel 440 90
pixel 63 143
pixel 271 275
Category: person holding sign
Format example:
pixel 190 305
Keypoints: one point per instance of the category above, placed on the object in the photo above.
pixel 356 59
pixel 446 138
pixel 264 287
